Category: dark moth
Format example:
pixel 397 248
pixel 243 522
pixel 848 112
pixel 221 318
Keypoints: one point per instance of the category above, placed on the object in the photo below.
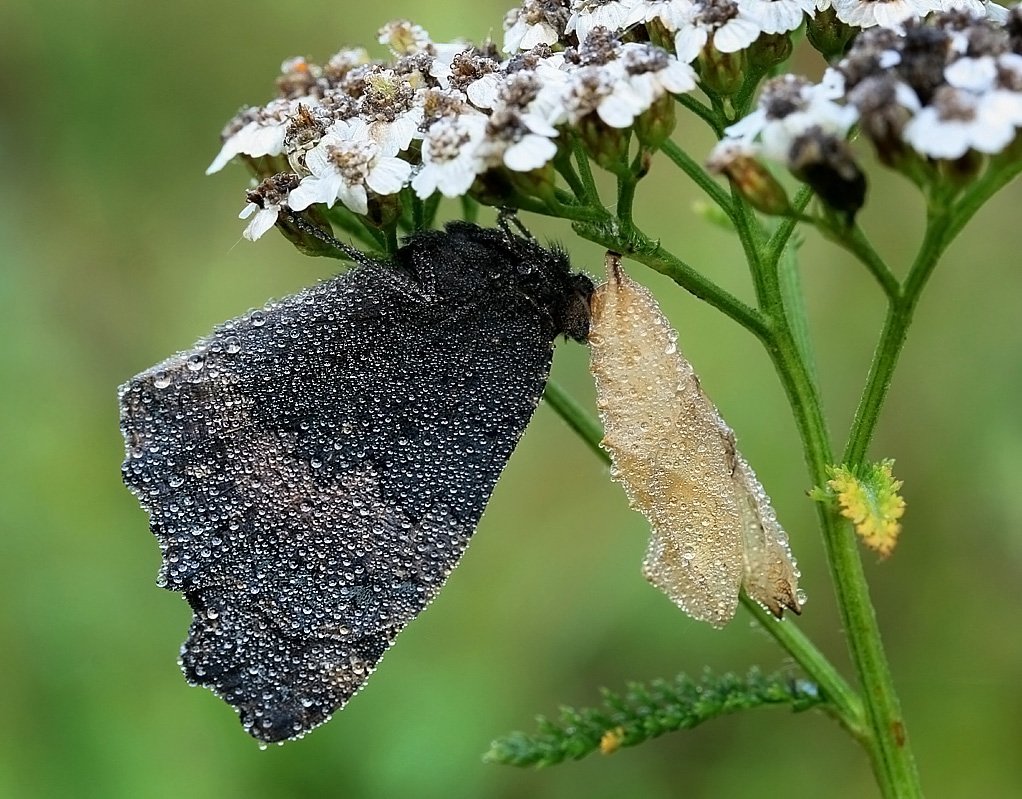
pixel 314 470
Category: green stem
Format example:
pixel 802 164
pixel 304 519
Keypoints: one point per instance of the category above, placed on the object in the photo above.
pixel 585 173
pixel 587 427
pixel 888 747
pixel 418 215
pixel 892 339
pixel 391 238
pixel 855 241
pixel 642 249
pixel 699 176
pixel 469 209
pixel 429 209
pixel 626 184
pixel 740 101
pixel 782 234
pixel 844 704
pixel 562 163
pixel 704 112
pixel 941 229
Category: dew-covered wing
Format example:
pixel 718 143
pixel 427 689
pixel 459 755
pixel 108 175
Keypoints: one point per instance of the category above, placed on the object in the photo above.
pixel 313 471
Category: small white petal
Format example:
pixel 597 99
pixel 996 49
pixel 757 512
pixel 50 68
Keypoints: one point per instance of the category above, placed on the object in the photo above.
pixel 482 93
pixel 530 153
pixel 617 110
pixel 736 34
pixel 543 33
pixel 354 198
pixel 689 42
pixel 261 222
pixel 974 74
pixel 315 189
pixel 388 176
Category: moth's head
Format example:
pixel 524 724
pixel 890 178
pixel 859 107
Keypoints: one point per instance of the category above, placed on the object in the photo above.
pixel 575 311
pixel 546 275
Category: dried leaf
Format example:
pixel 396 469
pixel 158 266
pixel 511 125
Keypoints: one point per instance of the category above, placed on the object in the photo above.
pixel 713 530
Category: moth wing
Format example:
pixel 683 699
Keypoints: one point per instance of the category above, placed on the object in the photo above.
pixel 313 471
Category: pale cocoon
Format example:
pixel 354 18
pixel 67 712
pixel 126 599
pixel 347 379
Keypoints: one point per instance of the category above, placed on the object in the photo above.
pixel 713 530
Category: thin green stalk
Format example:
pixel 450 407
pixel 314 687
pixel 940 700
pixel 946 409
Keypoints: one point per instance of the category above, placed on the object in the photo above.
pixel 469 209
pixel 705 113
pixel 418 215
pixel 429 209
pixel 845 705
pixel 1000 172
pixel 587 427
pixel 751 236
pixel 855 241
pixel 890 754
pixel 942 228
pixel 562 163
pixel 391 237
pixel 892 339
pixel 626 185
pixel 642 249
pixel 782 233
pixel 699 176
pixel 591 194
pixel 740 101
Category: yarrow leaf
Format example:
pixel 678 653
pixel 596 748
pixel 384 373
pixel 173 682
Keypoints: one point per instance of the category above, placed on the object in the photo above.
pixel 648 710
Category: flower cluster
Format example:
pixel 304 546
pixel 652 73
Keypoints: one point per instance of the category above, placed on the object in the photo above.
pixel 939 89
pixel 440 118
pixel 371 138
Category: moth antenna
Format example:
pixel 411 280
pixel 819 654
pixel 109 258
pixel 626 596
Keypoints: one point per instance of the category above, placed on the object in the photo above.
pixel 354 255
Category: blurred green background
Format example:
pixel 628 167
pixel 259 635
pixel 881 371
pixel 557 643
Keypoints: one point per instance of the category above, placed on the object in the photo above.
pixel 116 251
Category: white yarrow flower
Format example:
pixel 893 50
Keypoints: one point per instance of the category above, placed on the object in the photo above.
pixel 787 108
pixel 732 25
pixel 779 16
pixel 450 156
pixel 265 218
pixel 672 14
pixel 528 26
pixel 345 165
pixel 263 135
pixel 403 37
pixel 589 90
pixel 651 72
pixel 958 121
pixel 883 13
pixel 589 14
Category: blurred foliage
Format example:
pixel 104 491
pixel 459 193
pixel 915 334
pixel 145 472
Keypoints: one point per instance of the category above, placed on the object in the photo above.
pixel 115 251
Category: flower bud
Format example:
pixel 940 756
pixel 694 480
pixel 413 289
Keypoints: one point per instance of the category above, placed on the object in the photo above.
pixel 722 73
pixel 829 35
pixel 769 50
pixel 750 178
pixel 607 146
pixel 826 163
pixel 655 126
